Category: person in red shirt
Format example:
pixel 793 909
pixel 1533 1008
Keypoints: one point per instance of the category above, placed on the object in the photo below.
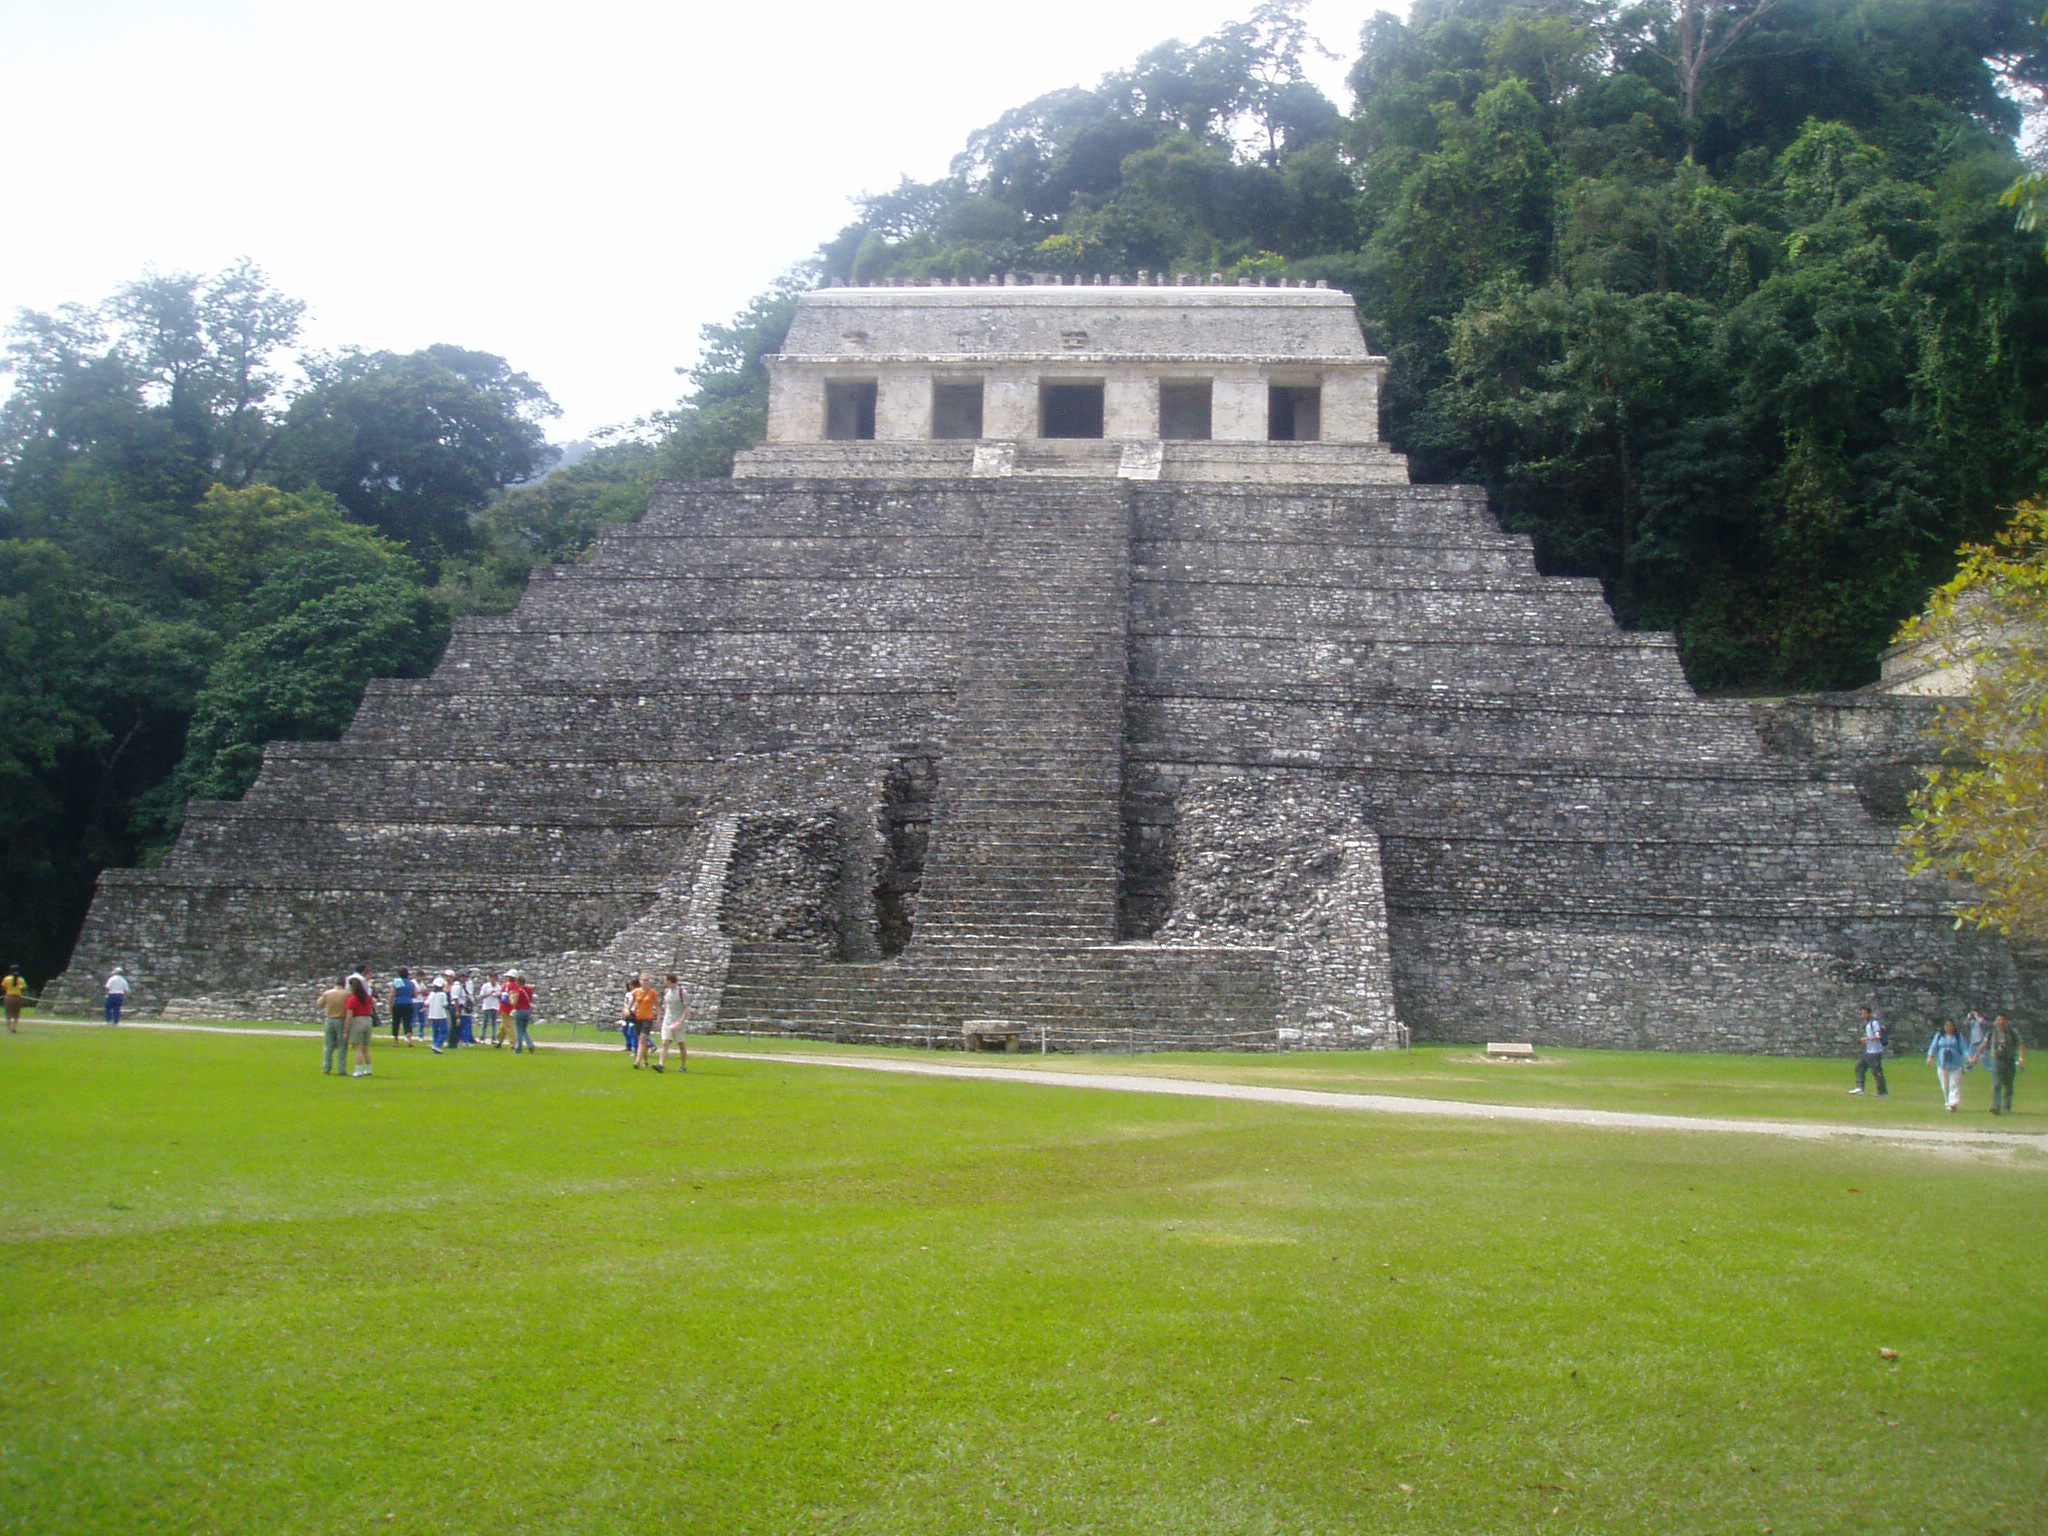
pixel 361 1009
pixel 518 1002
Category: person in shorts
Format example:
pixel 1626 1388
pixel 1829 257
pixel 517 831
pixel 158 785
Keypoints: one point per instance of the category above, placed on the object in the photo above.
pixel 675 1016
pixel 362 1020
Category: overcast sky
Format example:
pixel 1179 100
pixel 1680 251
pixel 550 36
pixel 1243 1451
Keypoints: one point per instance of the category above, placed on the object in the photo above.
pixel 578 187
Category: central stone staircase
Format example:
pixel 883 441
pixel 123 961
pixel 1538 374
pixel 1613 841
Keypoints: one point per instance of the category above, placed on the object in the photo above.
pixel 1027 828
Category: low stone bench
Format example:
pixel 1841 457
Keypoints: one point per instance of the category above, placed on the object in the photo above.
pixel 1006 1034
pixel 1504 1050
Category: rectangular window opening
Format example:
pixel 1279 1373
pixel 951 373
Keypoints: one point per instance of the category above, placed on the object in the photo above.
pixel 849 410
pixel 956 409
pixel 1070 410
pixel 1184 410
pixel 1294 413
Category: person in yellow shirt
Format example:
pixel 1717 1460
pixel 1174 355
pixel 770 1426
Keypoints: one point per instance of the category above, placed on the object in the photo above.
pixel 14 992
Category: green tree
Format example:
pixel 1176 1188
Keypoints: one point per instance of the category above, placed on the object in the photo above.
pixel 95 693
pixel 1982 818
pixel 341 619
pixel 235 539
pixel 414 445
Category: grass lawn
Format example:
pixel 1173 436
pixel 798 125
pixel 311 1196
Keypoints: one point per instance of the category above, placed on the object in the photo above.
pixel 553 1295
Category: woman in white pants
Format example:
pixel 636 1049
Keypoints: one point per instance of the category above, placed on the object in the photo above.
pixel 1949 1053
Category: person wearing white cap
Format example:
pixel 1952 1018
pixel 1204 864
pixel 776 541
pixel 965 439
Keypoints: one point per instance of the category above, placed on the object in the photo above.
pixel 116 993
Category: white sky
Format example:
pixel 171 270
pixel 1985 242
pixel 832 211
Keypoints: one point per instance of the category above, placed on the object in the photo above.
pixel 576 187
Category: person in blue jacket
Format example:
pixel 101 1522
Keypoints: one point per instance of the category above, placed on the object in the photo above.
pixel 402 994
pixel 1950 1055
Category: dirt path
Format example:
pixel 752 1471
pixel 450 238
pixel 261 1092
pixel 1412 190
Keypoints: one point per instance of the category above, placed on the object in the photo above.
pixel 1374 1103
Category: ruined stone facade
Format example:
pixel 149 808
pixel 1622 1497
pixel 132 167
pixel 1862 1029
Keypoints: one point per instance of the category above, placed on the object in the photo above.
pixel 897 730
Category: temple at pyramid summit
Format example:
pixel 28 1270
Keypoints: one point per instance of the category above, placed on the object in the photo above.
pixel 1077 655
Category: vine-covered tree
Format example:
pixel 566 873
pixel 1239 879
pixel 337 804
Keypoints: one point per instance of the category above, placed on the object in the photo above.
pixel 1983 816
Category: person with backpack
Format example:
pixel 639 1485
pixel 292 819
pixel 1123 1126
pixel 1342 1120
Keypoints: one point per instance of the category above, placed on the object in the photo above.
pixel 1875 1038
pixel 2008 1054
pixel 1950 1057
pixel 644 1001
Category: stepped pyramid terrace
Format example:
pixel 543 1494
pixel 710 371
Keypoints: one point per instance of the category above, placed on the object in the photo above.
pixel 1077 655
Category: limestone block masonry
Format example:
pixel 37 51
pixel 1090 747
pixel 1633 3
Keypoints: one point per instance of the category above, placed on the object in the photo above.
pixel 1138 761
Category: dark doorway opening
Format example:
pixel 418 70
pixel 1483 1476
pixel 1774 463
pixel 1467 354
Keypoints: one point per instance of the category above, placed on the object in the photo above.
pixel 1184 411
pixel 1294 413
pixel 956 409
pixel 1070 410
pixel 849 410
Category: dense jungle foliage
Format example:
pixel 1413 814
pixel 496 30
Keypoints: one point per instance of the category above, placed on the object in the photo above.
pixel 1716 297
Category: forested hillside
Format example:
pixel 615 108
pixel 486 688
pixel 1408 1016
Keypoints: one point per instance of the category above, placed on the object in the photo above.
pixel 192 565
pixel 1715 296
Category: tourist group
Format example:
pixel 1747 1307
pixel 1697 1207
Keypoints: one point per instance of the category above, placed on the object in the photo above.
pixel 445 1008
pixel 1954 1050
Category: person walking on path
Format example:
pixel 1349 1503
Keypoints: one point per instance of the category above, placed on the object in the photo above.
pixel 403 994
pixel 2008 1053
pixel 362 1020
pixel 645 1000
pixel 1950 1057
pixel 1974 1031
pixel 437 1012
pixel 1875 1037
pixel 675 1014
pixel 519 1003
pixel 334 1019
pixel 116 995
pixel 13 993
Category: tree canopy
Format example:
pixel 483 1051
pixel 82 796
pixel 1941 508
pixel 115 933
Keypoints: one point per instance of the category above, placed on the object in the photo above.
pixel 1982 817
pixel 197 559
pixel 1714 296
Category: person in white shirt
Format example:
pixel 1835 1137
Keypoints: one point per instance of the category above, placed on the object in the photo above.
pixel 1874 1036
pixel 461 1003
pixel 487 995
pixel 675 1014
pixel 437 1012
pixel 116 990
